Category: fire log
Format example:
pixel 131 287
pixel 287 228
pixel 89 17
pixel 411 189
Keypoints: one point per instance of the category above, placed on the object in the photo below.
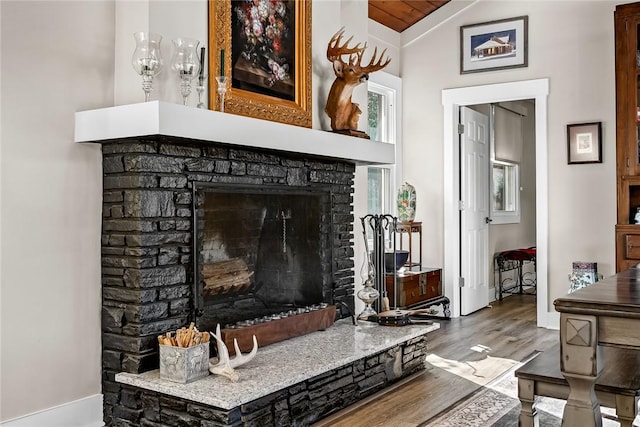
pixel 231 275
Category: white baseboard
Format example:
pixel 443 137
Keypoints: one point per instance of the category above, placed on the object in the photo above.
pixel 492 294
pixel 553 320
pixel 86 412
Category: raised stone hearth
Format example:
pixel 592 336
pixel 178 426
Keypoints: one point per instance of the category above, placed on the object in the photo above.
pixel 291 383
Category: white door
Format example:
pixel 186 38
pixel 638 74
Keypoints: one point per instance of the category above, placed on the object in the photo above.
pixel 474 211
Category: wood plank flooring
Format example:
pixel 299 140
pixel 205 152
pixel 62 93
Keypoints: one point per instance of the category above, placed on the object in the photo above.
pixel 507 329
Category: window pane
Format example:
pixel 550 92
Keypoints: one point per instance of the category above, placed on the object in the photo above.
pixel 510 189
pixel 378 190
pixel 504 201
pixel 377 122
pixel 498 188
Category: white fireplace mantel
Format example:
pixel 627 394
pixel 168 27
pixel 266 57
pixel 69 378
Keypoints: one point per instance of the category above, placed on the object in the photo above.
pixel 168 119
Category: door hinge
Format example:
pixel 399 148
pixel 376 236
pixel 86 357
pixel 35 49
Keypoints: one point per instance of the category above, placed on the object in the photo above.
pixel 460 128
pixel 461 283
pixel 460 205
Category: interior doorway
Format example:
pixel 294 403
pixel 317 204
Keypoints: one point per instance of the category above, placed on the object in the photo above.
pixel 497 178
pixel 452 100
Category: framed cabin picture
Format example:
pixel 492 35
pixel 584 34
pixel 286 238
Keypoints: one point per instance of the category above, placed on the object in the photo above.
pixel 495 45
pixel 263 47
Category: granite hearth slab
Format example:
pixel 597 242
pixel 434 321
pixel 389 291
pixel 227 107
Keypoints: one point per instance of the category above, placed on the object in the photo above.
pixel 285 363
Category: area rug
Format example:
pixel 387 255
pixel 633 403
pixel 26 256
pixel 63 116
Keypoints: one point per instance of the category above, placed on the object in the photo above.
pixel 496 404
pixel 486 407
pixel 481 372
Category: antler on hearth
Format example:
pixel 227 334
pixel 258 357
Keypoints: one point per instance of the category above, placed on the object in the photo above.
pixel 225 365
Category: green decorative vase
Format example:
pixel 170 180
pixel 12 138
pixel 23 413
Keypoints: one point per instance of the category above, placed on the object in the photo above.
pixel 406 203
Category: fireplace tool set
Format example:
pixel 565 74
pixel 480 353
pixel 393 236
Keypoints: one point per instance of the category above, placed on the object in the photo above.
pixel 382 260
pixel 374 267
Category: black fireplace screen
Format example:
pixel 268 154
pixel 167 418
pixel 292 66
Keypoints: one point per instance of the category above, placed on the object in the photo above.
pixel 259 251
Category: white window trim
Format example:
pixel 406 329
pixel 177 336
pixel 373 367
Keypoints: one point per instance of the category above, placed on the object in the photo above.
pixel 391 86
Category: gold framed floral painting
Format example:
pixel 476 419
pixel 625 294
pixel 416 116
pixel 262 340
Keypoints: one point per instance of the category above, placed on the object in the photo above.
pixel 263 47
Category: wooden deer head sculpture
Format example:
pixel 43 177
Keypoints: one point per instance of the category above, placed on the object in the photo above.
pixel 344 114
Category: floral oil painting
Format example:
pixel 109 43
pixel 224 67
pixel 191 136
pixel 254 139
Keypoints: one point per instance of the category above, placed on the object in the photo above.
pixel 263 47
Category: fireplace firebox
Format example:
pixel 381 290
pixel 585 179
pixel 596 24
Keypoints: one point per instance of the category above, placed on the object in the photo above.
pixel 260 252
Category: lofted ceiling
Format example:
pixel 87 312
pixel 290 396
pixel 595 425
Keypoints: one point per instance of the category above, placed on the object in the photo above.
pixel 401 14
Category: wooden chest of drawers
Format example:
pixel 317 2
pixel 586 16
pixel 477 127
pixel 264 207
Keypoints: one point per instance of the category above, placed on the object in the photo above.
pixel 627 246
pixel 414 288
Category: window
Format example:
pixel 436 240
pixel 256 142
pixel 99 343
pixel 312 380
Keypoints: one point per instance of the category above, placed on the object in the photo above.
pixel 505 192
pixel 378 105
pixel 378 190
pixel 383 116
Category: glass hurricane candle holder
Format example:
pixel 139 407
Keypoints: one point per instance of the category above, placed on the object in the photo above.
pixel 186 63
pixel 147 59
pixel 368 294
pixel 222 90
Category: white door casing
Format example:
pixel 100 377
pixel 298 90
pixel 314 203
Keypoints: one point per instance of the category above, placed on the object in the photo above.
pixel 452 99
pixel 474 210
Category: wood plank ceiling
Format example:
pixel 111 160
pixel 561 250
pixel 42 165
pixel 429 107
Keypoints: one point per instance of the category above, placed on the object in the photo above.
pixel 401 14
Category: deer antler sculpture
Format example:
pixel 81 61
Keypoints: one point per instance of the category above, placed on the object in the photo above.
pixel 225 365
pixel 344 114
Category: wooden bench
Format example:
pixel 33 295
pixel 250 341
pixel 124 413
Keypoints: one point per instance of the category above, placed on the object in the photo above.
pixel 618 387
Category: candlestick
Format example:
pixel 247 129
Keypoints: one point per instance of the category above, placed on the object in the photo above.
pixel 200 88
pixel 222 90
pixel 201 62
pixel 222 63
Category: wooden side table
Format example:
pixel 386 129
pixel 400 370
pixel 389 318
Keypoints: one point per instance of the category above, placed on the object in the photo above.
pixel 410 228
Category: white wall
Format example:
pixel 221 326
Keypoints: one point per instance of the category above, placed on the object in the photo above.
pixel 57 58
pixel 582 200
pixel 76 56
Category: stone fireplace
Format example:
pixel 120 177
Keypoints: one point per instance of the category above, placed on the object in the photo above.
pixel 187 192
pixel 148 238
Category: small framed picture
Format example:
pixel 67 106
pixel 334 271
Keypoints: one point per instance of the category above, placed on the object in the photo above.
pixel 584 143
pixel 495 45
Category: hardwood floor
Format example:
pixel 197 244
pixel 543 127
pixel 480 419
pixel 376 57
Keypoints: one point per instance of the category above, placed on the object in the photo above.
pixel 505 330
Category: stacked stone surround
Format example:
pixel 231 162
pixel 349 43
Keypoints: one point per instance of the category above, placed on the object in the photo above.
pixel 298 405
pixel 147 232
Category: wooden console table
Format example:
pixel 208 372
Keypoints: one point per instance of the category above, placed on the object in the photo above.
pixel 606 313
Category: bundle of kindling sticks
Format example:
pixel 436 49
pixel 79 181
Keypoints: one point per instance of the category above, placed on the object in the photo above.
pixel 184 337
